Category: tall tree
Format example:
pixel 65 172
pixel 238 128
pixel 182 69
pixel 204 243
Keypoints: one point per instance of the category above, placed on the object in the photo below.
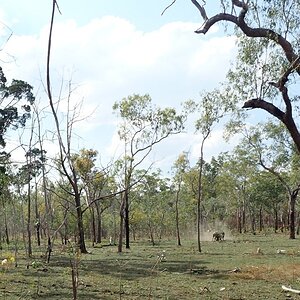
pixel 268 62
pixel 210 112
pixel 66 163
pixel 15 104
pixel 180 167
pixel 96 183
pixel 143 126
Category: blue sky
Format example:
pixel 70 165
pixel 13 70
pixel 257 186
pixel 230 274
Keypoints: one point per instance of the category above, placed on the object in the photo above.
pixel 146 15
pixel 110 49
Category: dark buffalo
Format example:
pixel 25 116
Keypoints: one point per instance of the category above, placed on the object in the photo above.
pixel 218 236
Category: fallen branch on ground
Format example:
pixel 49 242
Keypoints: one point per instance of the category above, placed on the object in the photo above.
pixel 288 289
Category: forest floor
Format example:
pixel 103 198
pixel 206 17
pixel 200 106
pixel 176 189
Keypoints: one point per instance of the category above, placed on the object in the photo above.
pixel 245 267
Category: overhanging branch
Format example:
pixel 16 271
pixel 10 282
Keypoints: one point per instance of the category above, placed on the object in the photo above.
pixel 267 106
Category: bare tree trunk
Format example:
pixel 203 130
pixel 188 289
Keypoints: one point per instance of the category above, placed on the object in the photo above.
pixel 37 216
pixel 120 244
pixel 5 224
pixel 261 224
pixel 151 233
pixel 253 223
pixel 298 223
pixel 81 240
pixel 126 220
pixel 99 224
pixel 239 220
pixel 29 218
pixel 161 226
pixel 93 226
pixel 177 216
pixel 293 198
pixel 276 221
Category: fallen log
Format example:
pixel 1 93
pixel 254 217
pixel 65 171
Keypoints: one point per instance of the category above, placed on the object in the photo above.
pixel 288 289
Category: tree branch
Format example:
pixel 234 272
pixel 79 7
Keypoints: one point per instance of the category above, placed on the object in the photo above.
pixel 201 9
pixel 168 7
pixel 251 32
pixel 267 106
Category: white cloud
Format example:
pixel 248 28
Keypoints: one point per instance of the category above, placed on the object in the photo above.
pixel 109 58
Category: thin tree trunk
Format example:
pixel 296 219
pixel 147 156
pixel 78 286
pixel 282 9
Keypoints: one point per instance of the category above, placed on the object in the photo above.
pixel 239 220
pixel 161 226
pixel 93 225
pixel 126 220
pixel 151 234
pixel 37 216
pixel 276 221
pixel 200 192
pixel 177 216
pixel 293 198
pixel 99 224
pixel 261 219
pixel 5 224
pixel 120 243
pixel 29 218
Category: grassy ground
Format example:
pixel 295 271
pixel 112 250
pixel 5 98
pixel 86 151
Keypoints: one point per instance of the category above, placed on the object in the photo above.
pixel 224 270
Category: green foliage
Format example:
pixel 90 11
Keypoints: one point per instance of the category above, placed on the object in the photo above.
pixel 11 98
pixel 144 124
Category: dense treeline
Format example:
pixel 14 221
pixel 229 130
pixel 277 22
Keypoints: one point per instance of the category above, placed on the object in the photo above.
pixel 238 196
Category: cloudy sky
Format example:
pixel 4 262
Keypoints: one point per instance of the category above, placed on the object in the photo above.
pixel 110 49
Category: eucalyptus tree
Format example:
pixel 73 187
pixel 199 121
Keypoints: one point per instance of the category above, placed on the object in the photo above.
pixel 65 162
pixel 84 163
pixel 210 112
pixel 16 100
pixel 143 126
pixel 96 184
pixel 5 192
pixel 180 167
pixel 34 164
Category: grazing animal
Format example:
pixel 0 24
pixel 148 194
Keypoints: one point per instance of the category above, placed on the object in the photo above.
pixel 218 236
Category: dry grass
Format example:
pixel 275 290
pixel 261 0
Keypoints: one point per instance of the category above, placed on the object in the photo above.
pixel 287 272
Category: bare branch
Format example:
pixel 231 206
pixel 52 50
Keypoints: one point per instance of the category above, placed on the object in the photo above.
pixel 251 32
pixel 168 7
pixel 201 9
pixel 267 106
